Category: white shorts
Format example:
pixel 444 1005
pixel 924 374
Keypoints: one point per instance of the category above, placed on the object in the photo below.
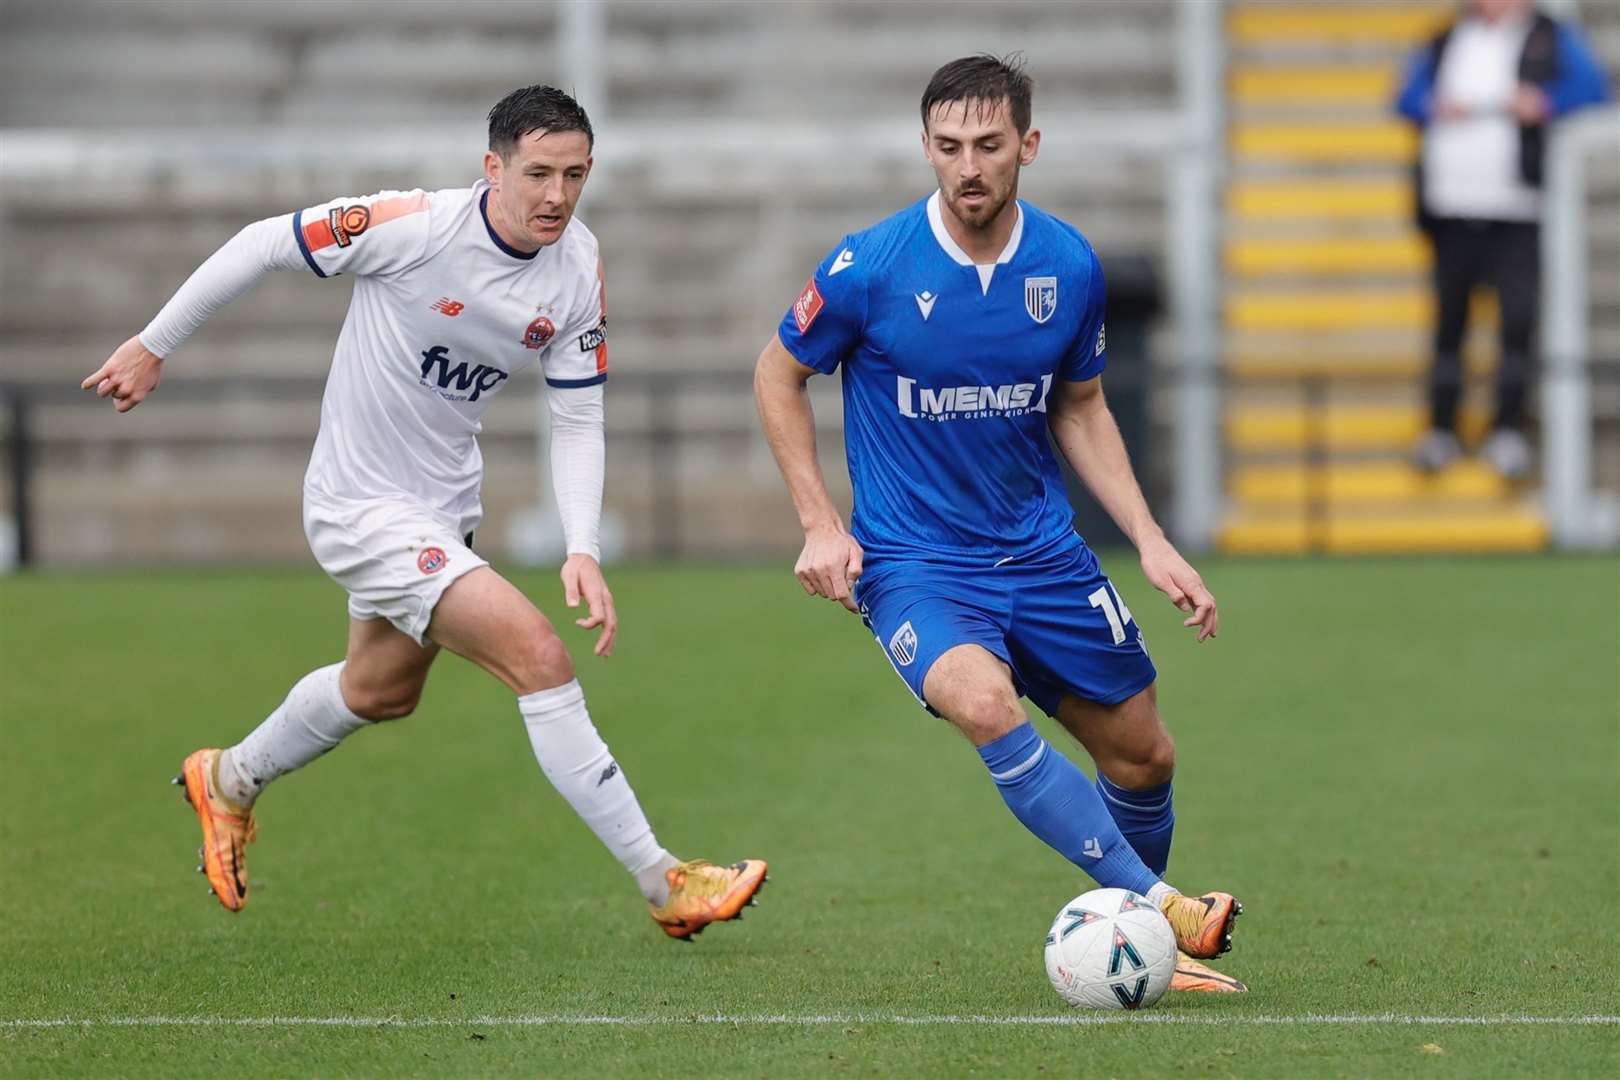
pixel 394 557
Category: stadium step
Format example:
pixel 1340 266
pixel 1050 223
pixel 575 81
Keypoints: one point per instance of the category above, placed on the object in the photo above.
pixel 1346 308
pixel 1369 85
pixel 1343 366
pixel 1394 428
pixel 1515 527
pixel 1257 486
pixel 1401 253
pixel 1388 25
pixel 1386 141
pixel 1316 201
pixel 1337 308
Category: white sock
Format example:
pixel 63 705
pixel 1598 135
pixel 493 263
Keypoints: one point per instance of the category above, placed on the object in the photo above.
pixel 1160 893
pixel 310 722
pixel 578 764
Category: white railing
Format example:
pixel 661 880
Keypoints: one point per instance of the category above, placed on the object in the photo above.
pixel 1577 514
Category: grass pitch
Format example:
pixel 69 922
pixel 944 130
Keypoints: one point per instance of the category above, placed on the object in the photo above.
pixel 1408 770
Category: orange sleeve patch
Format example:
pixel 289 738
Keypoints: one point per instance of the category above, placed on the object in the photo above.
pixel 318 234
pixel 341 225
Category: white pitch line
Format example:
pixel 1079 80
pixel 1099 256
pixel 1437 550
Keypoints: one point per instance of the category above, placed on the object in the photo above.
pixel 786 1020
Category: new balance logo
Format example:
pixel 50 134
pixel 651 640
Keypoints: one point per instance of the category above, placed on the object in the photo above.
pixel 1092 849
pixel 925 303
pixel 608 773
pixel 845 260
pixel 480 379
pixel 446 306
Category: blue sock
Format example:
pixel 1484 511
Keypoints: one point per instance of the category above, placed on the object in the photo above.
pixel 1146 817
pixel 1057 803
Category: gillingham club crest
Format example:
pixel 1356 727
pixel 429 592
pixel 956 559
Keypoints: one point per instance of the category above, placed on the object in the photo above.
pixel 1040 297
pixel 903 645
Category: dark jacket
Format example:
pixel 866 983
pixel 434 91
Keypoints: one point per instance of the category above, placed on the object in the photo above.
pixel 1555 58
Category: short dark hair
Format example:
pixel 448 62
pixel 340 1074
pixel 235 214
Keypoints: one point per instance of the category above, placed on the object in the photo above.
pixel 534 108
pixel 985 79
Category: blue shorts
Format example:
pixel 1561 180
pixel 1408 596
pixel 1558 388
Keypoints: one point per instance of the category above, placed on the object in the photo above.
pixel 1056 620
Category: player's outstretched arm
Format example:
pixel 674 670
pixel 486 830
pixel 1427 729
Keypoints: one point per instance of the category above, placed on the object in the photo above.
pixel 578 461
pixel 830 562
pixel 134 369
pixel 1088 436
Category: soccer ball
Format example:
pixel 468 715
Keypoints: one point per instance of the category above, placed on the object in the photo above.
pixel 1110 949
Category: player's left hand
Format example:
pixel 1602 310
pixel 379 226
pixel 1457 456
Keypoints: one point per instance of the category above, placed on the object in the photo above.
pixel 582 577
pixel 130 373
pixel 1168 572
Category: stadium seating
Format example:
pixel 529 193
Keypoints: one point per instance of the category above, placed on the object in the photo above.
pixel 702 256
pixel 1327 276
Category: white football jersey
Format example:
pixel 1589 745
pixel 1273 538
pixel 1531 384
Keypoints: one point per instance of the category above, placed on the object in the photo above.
pixel 444 316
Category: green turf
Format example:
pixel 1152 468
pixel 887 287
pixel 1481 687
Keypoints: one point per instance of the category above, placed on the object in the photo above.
pixel 1408 770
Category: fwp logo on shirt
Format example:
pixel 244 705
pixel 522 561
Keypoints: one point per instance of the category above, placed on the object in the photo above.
pixel 970 402
pixel 458 383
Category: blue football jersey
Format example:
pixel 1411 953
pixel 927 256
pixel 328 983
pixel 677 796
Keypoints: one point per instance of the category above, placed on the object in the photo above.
pixel 947 369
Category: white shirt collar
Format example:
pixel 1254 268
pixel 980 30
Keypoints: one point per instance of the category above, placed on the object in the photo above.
pixel 954 250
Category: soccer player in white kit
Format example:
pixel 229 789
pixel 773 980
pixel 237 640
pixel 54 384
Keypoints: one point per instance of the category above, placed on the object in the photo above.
pixel 455 292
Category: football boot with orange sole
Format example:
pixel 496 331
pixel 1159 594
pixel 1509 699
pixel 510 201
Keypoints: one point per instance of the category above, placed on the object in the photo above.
pixel 227 829
pixel 1191 975
pixel 1202 924
pixel 701 893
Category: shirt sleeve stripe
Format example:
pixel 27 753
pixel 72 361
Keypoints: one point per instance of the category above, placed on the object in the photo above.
pixel 388 209
pixel 303 246
pixel 575 384
pixel 601 350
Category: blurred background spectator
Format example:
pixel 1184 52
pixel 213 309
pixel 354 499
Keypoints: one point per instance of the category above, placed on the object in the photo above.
pixel 1484 92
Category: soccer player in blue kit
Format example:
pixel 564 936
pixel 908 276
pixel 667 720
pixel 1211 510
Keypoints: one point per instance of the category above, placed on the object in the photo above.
pixel 970 326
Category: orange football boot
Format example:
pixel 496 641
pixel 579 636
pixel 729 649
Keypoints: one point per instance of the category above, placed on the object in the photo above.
pixel 227 829
pixel 701 893
pixel 1203 924
pixel 1191 975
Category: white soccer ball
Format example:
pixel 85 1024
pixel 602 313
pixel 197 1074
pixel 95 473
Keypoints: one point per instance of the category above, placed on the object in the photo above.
pixel 1110 949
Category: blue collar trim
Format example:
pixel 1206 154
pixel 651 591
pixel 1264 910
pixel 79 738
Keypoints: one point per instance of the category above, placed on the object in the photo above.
pixel 483 208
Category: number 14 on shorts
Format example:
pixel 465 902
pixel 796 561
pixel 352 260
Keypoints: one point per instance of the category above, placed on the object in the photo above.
pixel 1113 606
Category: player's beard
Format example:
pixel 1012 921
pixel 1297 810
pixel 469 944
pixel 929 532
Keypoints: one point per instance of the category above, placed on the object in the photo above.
pixel 994 203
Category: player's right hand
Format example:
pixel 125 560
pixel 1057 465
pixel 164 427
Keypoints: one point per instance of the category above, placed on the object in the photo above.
pixel 128 376
pixel 830 564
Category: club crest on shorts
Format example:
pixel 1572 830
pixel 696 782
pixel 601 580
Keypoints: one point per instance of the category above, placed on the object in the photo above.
pixel 903 645
pixel 1040 297
pixel 432 560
